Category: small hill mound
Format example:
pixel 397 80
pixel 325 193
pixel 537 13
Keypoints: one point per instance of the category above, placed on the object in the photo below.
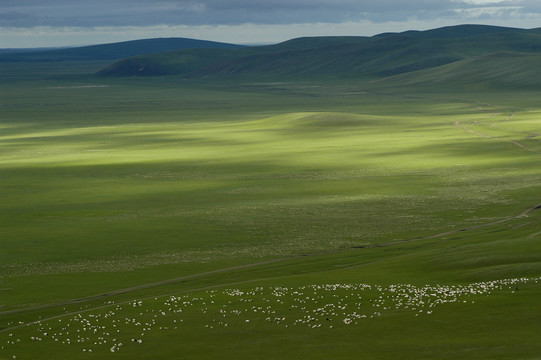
pixel 318 122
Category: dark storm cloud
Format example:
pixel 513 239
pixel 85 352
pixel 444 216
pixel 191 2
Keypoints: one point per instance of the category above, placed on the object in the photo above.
pixel 14 18
pixel 28 13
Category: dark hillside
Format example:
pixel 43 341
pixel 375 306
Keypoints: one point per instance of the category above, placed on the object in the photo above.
pixel 461 31
pixel 174 62
pixel 307 43
pixel 116 51
pixel 359 58
pixel 194 60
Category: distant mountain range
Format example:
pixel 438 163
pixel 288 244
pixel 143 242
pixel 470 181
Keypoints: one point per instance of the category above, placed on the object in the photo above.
pixel 464 54
pixel 456 53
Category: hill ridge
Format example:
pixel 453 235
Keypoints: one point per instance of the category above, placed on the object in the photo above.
pixel 115 50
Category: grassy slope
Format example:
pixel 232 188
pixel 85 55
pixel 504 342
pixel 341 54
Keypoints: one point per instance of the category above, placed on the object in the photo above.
pixel 497 70
pixel 117 183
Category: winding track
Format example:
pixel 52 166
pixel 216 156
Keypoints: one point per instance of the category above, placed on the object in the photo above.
pixel 467 129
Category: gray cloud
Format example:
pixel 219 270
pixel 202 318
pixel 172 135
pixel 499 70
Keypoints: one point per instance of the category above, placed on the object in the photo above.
pixel 28 13
pixel 14 18
pixel 528 6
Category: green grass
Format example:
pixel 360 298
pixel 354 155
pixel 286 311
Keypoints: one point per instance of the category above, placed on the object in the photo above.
pixel 272 189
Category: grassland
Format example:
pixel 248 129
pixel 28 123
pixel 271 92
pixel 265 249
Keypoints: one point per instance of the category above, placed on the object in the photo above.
pixel 168 218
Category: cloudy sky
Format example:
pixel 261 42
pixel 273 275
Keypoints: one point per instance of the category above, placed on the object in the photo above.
pixel 33 23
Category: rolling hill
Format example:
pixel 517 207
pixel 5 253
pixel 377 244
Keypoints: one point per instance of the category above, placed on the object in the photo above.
pixel 372 58
pixel 113 51
pixel 505 70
